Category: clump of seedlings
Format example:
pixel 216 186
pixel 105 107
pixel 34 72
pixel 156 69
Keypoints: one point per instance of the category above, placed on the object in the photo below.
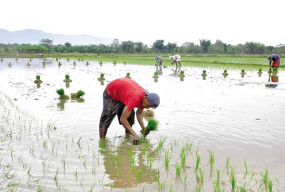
pixel 74 63
pixel 44 64
pixel 62 96
pixel 204 74
pixel 38 79
pixel 155 76
pixel 181 74
pixel 87 63
pixel 225 73
pixel 152 125
pixel 243 72
pixel 10 65
pixel 59 64
pixel 1 59
pixel 114 63
pixel 77 95
pixel 269 71
pixel 125 63
pixel 148 113
pixel 259 71
pixel 28 64
pixel 101 63
pixel 101 78
pixel 67 80
pixel 128 75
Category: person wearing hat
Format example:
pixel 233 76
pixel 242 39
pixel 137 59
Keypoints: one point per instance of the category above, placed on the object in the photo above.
pixel 274 60
pixel 120 98
pixel 176 59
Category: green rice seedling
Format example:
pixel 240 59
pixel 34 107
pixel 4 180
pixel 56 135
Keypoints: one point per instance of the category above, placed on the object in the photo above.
pixel 138 175
pixel 68 59
pixel 158 173
pixel 152 125
pixel 161 143
pixel 74 63
pixel 101 63
pixel 114 63
pixel 56 59
pixel 128 75
pixel 67 76
pixel 218 174
pixel 198 188
pixel 150 164
pixel 76 174
pixel 216 185
pixel 161 186
pixel 201 175
pixel 233 179
pixel 183 156
pixel 59 64
pixel 246 170
pixel 87 63
pixel 269 185
pixel 178 169
pixel 118 160
pixel 211 159
pixel 181 74
pixel 45 144
pixel 28 64
pixel 60 92
pixel 38 77
pixel 265 176
pixel 166 159
pixel 197 163
pixel 227 162
pixel 101 78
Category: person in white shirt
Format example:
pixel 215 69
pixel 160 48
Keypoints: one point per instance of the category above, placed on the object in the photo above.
pixel 176 59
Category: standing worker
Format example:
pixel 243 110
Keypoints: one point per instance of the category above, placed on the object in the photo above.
pixel 176 59
pixel 158 60
pixel 120 98
pixel 274 60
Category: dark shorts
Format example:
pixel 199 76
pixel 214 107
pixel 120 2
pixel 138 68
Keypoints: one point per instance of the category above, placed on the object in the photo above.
pixel 159 61
pixel 111 108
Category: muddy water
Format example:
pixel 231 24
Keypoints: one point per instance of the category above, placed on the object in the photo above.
pixel 241 117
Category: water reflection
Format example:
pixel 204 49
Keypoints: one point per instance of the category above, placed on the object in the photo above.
pixel 272 80
pixel 67 84
pixel 123 163
pixel 175 72
pixel 101 81
pixel 61 104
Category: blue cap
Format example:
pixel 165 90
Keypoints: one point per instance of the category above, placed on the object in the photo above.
pixel 153 98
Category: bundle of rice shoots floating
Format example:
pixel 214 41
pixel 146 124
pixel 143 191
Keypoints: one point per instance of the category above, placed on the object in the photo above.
pixel 152 125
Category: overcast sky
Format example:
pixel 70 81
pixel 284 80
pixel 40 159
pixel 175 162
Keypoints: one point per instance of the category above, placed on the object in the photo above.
pixel 178 21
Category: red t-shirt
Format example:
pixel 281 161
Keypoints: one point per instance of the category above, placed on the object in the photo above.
pixel 126 91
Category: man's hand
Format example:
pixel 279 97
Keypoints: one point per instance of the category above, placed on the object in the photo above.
pixel 145 132
pixel 136 140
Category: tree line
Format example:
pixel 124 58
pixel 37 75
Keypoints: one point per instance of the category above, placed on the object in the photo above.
pixel 159 46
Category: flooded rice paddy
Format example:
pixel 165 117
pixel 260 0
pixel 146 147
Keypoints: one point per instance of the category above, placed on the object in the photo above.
pixel 215 133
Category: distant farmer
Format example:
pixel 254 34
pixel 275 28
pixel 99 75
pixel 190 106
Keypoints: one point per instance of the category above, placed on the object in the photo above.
pixel 120 98
pixel 274 60
pixel 158 60
pixel 176 59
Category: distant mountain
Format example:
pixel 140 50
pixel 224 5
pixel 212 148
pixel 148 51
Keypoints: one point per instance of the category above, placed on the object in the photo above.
pixel 35 36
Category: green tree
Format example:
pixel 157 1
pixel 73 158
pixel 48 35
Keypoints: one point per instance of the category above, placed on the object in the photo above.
pixel 158 45
pixel 205 44
pixel 128 46
pixel 46 42
pixel 138 47
pixel 170 47
pixel 67 44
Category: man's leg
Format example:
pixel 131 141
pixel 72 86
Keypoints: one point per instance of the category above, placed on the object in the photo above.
pixel 110 109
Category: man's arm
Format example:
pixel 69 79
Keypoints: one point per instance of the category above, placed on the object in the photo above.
pixel 140 120
pixel 124 121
